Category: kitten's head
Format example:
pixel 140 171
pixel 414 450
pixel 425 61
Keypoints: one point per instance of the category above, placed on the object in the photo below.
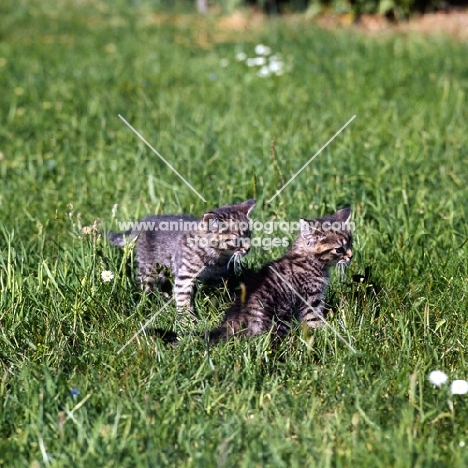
pixel 227 228
pixel 329 238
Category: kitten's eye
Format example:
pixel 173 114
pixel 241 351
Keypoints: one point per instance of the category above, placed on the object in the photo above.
pixel 340 250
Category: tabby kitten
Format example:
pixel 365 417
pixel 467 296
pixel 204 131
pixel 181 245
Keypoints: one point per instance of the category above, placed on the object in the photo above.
pixel 192 248
pixel 292 287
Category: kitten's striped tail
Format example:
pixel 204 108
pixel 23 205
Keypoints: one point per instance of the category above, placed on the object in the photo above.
pixel 218 335
pixel 118 239
pixel 215 336
pixel 226 330
pixel 169 337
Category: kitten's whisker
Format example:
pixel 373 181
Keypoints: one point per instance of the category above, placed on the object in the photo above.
pixel 238 264
pixel 232 259
pixel 341 270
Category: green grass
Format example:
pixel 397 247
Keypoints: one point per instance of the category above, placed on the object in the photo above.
pixel 67 69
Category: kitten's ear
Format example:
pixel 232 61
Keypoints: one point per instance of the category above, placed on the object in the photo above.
pixel 211 221
pixel 343 215
pixel 248 206
pixel 309 232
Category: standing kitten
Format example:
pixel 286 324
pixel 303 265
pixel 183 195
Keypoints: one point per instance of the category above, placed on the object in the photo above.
pixel 271 299
pixel 192 248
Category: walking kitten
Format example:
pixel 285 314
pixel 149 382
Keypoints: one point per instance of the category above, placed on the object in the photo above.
pixel 192 248
pixel 292 287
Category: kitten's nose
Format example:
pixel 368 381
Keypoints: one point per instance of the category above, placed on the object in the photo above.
pixel 349 254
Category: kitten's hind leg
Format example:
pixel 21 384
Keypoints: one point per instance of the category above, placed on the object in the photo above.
pixel 145 280
pixel 164 284
pixel 149 275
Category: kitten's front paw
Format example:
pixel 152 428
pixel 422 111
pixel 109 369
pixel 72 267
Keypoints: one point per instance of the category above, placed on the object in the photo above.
pixel 186 310
pixel 186 318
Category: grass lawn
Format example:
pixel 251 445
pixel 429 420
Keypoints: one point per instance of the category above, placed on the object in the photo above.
pixel 69 398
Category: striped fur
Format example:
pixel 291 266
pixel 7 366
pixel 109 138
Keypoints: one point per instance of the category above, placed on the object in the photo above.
pixel 202 251
pixel 292 287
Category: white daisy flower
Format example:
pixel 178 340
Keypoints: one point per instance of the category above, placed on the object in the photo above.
pixel 256 61
pixel 240 57
pixel 438 378
pixel 276 66
pixel 107 276
pixel 261 49
pixel 459 387
pixel 263 72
